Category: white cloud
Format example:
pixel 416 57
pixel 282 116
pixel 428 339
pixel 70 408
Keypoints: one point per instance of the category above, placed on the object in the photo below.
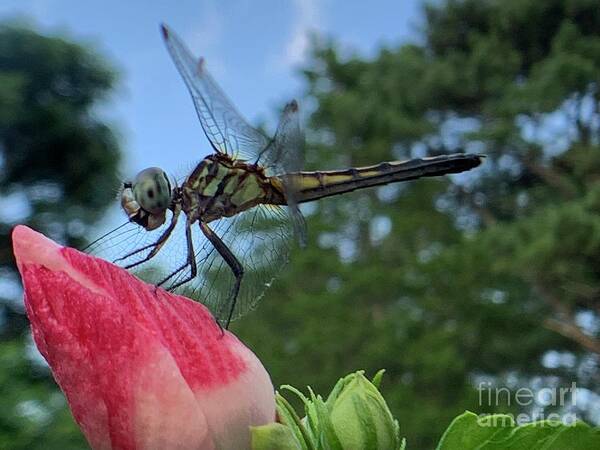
pixel 207 36
pixel 32 8
pixel 210 29
pixel 307 18
pixel 41 8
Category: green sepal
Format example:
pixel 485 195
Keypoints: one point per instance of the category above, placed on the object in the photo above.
pixel 274 436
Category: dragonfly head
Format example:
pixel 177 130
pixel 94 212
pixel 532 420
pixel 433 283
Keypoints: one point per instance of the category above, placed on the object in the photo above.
pixel 146 200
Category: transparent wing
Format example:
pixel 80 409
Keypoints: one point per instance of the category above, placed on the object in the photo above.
pixel 286 151
pixel 225 128
pixel 260 239
pixel 131 243
pixel 286 154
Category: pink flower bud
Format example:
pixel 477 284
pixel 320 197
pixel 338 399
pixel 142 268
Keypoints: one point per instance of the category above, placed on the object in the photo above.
pixel 141 368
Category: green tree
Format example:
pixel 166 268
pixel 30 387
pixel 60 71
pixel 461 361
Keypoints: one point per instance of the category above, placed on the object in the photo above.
pixel 57 173
pixel 490 276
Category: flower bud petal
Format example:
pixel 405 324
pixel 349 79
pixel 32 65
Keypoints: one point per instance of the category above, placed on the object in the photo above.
pixel 141 368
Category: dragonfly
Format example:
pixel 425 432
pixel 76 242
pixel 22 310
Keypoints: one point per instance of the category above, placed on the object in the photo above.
pixel 237 212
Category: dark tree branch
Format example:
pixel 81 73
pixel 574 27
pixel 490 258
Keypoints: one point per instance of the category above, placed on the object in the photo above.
pixel 565 323
pixel 571 331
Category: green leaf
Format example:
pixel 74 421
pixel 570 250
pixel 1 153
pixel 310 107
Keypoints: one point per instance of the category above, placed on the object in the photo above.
pixel 465 432
pixel 499 431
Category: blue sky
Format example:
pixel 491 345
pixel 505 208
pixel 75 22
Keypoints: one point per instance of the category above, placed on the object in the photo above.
pixel 253 48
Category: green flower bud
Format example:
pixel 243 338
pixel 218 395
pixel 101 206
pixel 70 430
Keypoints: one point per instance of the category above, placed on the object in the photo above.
pixel 360 416
pixel 354 417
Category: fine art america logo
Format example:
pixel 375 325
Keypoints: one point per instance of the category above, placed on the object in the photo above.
pixel 560 400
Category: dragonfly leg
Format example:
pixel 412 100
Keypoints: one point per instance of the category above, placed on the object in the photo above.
pixel 232 262
pixel 190 261
pixel 162 239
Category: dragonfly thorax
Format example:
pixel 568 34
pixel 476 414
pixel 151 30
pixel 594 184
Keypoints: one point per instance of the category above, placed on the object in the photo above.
pixel 146 199
pixel 221 186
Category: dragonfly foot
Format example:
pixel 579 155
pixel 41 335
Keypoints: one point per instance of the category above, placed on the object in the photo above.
pixel 221 328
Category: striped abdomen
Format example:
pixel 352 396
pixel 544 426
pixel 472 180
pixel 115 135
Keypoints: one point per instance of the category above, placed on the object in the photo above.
pixel 309 186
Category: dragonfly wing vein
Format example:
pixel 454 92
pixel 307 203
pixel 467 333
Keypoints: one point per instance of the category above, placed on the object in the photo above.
pixel 223 125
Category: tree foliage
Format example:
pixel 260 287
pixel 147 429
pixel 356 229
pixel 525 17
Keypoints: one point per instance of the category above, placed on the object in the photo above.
pixel 489 276
pixel 58 166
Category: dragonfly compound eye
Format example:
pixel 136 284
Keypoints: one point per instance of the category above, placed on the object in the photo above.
pixel 152 190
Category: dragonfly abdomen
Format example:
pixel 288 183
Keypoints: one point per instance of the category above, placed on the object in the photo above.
pixel 309 186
